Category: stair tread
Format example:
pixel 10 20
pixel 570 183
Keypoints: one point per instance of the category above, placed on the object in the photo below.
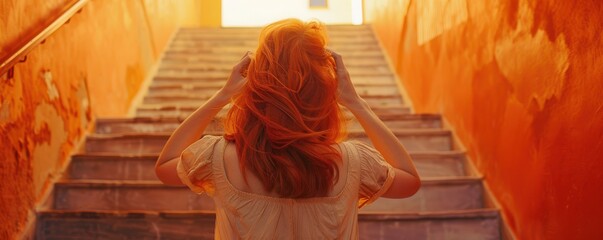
pixel 154 156
pixel 159 184
pixel 353 133
pixel 449 214
pixel 136 120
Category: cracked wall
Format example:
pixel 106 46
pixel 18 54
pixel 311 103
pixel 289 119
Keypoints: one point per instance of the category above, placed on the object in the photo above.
pixel 91 67
pixel 520 82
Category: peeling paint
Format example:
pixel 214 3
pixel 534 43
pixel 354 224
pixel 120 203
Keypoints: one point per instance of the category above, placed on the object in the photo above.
pixel 54 97
pixel 52 91
pixel 47 150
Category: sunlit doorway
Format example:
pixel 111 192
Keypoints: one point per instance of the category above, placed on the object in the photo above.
pixel 246 13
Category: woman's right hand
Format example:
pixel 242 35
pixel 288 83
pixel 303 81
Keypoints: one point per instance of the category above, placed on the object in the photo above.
pixel 238 76
pixel 346 92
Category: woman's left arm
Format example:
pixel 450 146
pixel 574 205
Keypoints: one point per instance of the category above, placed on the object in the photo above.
pixel 193 126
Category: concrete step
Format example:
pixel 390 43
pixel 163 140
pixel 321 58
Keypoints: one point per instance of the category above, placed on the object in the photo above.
pixel 141 143
pixel 57 224
pixel 330 27
pixel 360 39
pixel 332 32
pixel 216 85
pixel 177 90
pixel 178 107
pixel 442 194
pixel 220 48
pixel 108 166
pixel 368 64
pixel 226 64
pixel 379 105
pixel 150 125
pixel 185 79
pixel 238 53
pixel 224 73
pixel 254 33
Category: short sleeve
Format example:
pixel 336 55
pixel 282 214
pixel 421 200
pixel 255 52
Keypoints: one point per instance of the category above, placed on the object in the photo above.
pixel 195 165
pixel 376 175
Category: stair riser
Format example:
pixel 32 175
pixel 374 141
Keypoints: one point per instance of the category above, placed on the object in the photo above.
pixel 434 198
pixel 351 62
pixel 149 145
pixel 218 48
pixel 379 105
pixel 105 168
pixel 217 126
pixel 155 227
pixel 430 198
pixel 191 42
pixel 223 74
pixel 172 111
pixel 359 80
pixel 213 86
pixel 237 53
pixel 202 227
pixel 176 90
pixel 479 228
pixel 209 62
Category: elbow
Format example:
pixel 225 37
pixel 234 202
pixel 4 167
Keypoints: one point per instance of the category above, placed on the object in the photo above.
pixel 414 186
pixel 158 174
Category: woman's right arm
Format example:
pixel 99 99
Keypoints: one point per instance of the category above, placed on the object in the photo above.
pixel 406 181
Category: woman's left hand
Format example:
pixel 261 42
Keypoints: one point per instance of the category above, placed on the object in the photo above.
pixel 237 79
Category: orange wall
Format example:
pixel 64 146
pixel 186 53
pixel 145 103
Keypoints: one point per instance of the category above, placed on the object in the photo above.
pixel 92 67
pixel 521 83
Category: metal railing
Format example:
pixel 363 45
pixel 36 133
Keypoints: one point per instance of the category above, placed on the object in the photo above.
pixel 9 60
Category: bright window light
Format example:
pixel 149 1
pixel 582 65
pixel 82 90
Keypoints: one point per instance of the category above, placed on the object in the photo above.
pixel 356 12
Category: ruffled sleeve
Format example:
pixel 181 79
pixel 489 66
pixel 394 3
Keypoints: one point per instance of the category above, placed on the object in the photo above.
pixel 376 175
pixel 195 165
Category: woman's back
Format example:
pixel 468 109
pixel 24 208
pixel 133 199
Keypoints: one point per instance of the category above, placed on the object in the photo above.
pixel 208 166
pixel 281 169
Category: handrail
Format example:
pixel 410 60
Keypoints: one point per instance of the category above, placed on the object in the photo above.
pixel 7 63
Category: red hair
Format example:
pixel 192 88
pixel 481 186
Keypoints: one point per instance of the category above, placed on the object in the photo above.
pixel 286 119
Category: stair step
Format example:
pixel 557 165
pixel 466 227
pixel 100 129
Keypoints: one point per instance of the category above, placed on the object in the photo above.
pixel 181 79
pixel 379 105
pixel 219 48
pixel 204 60
pixel 246 39
pixel 223 74
pixel 56 224
pixel 435 195
pixel 256 32
pixel 178 111
pixel 108 166
pixel 225 68
pixel 225 65
pixel 482 224
pixel 157 97
pixel 213 87
pixel 150 125
pixel 139 143
pixel 236 54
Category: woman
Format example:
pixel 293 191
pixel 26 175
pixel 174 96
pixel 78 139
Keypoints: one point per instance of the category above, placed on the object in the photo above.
pixel 282 170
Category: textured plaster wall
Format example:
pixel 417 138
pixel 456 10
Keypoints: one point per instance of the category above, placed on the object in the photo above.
pixel 521 83
pixel 91 67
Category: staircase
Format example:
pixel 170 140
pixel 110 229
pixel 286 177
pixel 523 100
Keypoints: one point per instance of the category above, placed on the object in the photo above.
pixel 111 192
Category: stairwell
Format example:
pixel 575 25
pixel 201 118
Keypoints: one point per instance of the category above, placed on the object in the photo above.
pixel 110 190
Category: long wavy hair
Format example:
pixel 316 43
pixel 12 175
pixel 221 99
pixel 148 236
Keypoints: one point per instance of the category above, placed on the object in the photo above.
pixel 286 119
